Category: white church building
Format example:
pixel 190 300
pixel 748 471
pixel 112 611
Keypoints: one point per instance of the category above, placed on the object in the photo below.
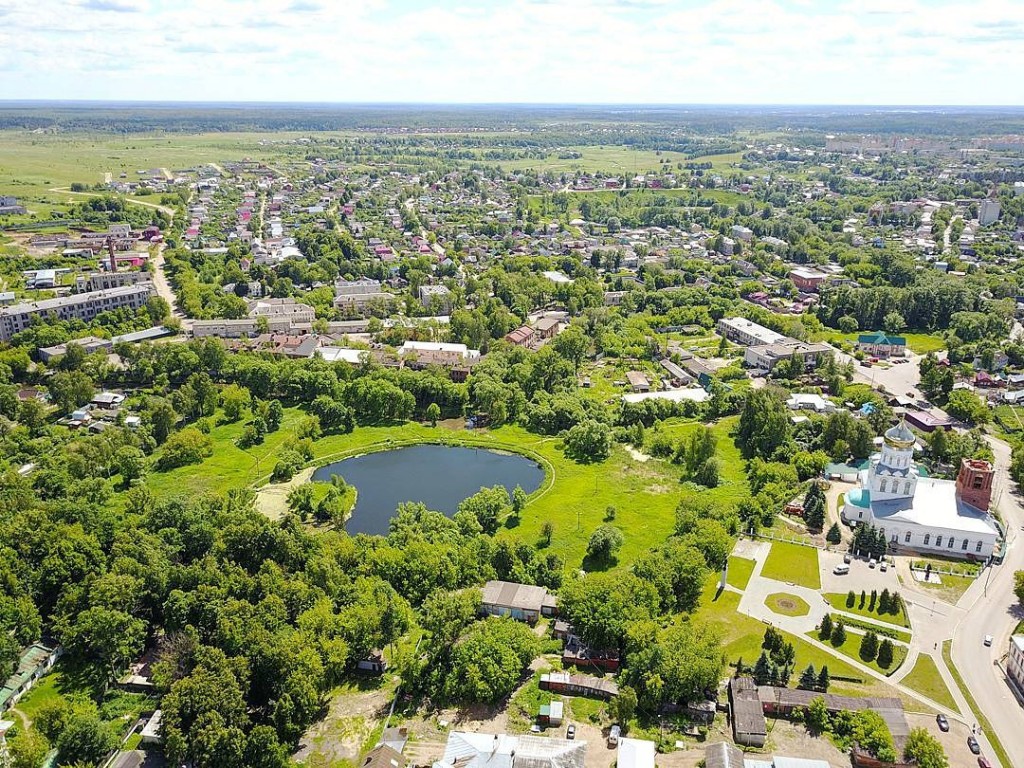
pixel 923 514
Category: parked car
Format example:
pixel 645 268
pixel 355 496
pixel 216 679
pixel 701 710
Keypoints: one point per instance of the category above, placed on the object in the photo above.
pixel 983 762
pixel 570 733
pixel 613 735
pixel 972 744
pixel 943 722
pixel 988 641
pixel 872 563
pixel 883 567
pixel 841 570
pixel 847 558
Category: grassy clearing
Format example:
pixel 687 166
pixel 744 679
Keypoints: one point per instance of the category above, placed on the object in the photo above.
pixel 926 680
pixel 618 160
pixel 986 726
pixel 851 648
pixel 886 630
pixel 793 564
pixel 573 498
pixel 839 602
pixel 740 571
pixel 950 590
pixel 787 605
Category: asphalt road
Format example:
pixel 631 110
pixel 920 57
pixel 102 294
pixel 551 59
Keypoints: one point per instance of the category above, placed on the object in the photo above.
pixel 995 612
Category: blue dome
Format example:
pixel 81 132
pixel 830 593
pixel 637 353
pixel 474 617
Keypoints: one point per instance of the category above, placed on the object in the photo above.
pixel 860 497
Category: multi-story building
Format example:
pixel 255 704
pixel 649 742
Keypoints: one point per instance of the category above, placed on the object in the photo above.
pixel 282 308
pixel 747 333
pixel 767 356
pixel 1015 660
pixel 102 281
pixel 355 297
pixel 988 212
pixel 80 306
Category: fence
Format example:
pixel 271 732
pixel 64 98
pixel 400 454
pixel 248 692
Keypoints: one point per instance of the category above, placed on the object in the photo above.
pixel 787 540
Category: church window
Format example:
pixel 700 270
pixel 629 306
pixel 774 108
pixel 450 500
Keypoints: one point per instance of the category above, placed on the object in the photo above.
pixel 883 484
pixel 906 488
pixel 950 545
pixel 938 541
pixel 964 545
pixel 906 539
pixel 927 537
pixel 978 548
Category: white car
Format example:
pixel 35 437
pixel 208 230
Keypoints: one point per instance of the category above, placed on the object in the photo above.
pixel 988 641
pixel 872 563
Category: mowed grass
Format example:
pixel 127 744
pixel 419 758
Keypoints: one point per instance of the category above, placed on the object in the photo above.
pixel 793 564
pixel 926 680
pixel 574 497
pixel 838 601
pixel 851 648
pixel 787 605
pixel 742 636
pixel 740 571
pixel 917 343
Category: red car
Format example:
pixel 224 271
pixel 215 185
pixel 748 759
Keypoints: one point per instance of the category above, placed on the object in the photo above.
pixel 984 763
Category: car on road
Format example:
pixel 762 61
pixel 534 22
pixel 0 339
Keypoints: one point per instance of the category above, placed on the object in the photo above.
pixel 570 733
pixel 988 641
pixel 848 558
pixel 983 762
pixel 972 744
pixel 943 722
pixel 613 735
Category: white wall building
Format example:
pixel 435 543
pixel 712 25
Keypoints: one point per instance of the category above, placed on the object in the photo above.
pixel 746 332
pixel 988 212
pixel 924 514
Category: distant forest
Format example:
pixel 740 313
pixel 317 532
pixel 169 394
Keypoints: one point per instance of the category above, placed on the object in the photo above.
pixel 594 124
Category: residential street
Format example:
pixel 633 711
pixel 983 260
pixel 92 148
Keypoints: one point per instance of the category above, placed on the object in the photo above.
pixel 992 609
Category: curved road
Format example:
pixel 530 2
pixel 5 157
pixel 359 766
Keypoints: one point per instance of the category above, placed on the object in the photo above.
pixel 993 609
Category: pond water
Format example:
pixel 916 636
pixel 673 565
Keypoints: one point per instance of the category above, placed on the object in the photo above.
pixel 439 476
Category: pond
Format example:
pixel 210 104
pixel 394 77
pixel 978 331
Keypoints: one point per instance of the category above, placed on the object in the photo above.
pixel 439 476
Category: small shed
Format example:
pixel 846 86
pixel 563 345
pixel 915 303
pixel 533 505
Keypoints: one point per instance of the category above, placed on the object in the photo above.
pixel 151 730
pixel 374 664
pixel 551 713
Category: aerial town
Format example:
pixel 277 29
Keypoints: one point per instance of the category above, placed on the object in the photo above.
pixel 591 441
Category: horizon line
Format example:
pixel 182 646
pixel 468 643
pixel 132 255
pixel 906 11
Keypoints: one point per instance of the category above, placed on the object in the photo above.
pixel 7 102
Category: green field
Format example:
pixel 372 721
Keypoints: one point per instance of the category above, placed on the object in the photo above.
pixel 573 498
pixel 32 164
pixel 851 648
pixel 618 160
pixel 793 564
pixel 925 679
pixel 787 605
pixel 740 571
pixel 918 343
pixel 838 601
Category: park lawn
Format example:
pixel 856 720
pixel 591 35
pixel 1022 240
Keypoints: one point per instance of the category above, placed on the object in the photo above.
pixel 573 498
pixel 926 680
pixel 740 571
pixel 742 636
pixel 851 648
pixel 838 601
pixel 786 604
pixel 950 590
pixel 794 564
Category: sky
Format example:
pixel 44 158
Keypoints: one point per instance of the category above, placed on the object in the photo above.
pixel 516 51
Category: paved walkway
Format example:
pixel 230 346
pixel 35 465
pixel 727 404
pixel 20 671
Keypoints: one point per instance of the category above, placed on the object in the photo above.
pixel 932 622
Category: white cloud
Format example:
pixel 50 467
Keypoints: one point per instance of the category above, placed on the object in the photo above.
pixel 732 51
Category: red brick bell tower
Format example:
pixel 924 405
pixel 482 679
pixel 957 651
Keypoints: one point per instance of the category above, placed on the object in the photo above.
pixel 974 483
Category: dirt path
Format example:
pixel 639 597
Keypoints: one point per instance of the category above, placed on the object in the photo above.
pixel 272 498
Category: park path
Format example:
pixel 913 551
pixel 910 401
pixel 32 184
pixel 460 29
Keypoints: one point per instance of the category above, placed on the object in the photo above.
pixel 759 587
